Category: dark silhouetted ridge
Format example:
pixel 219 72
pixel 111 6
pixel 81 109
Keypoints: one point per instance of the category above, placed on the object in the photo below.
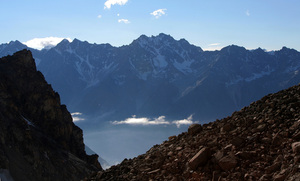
pixel 38 139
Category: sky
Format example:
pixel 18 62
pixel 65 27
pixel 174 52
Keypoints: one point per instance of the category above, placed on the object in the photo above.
pixel 210 24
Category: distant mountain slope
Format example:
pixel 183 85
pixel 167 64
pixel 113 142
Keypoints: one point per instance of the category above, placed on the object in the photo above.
pixel 38 139
pixel 259 142
pixel 158 75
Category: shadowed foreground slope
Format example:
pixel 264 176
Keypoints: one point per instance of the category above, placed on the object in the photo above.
pixel 260 142
pixel 38 140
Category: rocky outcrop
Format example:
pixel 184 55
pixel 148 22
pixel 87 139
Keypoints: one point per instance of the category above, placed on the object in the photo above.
pixel 260 142
pixel 38 139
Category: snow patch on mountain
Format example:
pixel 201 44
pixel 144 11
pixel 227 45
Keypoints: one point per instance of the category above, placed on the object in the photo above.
pixel 160 61
pixel 184 67
pixel 253 77
pixel 258 75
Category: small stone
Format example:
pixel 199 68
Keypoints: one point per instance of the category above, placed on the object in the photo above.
pixel 178 148
pixel 237 141
pixel 261 127
pixel 172 138
pixel 277 140
pixel 243 155
pixel 296 147
pixel 276 166
pixel 154 171
pixel 281 176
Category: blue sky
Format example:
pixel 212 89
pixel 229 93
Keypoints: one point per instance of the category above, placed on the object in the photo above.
pixel 210 24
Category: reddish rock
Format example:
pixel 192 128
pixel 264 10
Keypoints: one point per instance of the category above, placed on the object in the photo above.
pixel 227 127
pixel 200 158
pixel 296 147
pixel 228 162
pixel 281 176
pixel 276 166
pixel 194 129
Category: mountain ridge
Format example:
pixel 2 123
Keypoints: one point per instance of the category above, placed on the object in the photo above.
pixel 38 139
pixel 156 68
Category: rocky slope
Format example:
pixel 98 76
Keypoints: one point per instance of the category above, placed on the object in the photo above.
pixel 259 142
pixel 38 139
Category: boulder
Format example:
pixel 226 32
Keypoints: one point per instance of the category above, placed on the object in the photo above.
pixel 228 162
pixel 194 129
pixel 200 158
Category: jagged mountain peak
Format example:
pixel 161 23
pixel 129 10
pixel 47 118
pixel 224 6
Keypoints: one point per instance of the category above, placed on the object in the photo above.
pixel 63 44
pixel 156 41
pixel 15 43
pixel 286 50
pixel 233 49
pixel 163 37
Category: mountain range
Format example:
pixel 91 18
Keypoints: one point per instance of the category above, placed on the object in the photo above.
pixel 160 76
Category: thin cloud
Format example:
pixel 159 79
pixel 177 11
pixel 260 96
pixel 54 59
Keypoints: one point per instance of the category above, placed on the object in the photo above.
pixel 158 13
pixel 157 121
pixel 142 121
pixel 213 47
pixel 76 119
pixel 126 21
pixel 214 44
pixel 99 16
pixel 248 13
pixel 187 121
pixel 109 3
pixel 76 116
pixel 76 113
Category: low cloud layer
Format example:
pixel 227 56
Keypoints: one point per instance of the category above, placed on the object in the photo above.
pixel 157 121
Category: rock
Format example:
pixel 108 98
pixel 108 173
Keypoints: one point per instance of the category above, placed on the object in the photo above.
pixel 277 140
pixel 243 154
pixel 237 141
pixel 172 137
pixel 194 129
pixel 200 158
pixel 226 128
pixel 276 166
pixel 261 127
pixel 281 176
pixel 154 171
pixel 296 147
pixel 228 162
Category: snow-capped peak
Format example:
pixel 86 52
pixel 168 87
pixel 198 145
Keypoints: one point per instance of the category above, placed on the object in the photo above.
pixel 45 43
